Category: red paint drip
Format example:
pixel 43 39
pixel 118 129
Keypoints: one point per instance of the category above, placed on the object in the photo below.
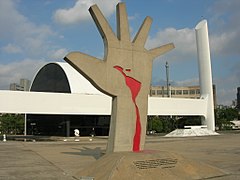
pixel 134 86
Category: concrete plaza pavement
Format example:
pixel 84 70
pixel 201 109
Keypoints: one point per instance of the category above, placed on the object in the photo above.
pixel 62 160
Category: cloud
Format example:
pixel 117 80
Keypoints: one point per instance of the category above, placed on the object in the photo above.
pixel 12 49
pixel 187 82
pixel 183 39
pixel 79 12
pixel 59 54
pixel 21 33
pixel 224 30
pixel 225 27
pixel 133 17
pixel 227 85
pixel 13 72
pixel 225 94
pixel 226 43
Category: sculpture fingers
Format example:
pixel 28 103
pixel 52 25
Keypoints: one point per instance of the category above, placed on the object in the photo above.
pixel 122 23
pixel 142 34
pixel 90 67
pixel 103 27
pixel 161 50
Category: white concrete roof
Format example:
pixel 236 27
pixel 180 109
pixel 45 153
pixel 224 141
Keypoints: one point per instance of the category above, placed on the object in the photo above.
pixel 86 99
pixel 77 83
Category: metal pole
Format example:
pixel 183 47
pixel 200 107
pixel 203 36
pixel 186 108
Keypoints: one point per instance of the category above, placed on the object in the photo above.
pixel 25 124
pixel 167 75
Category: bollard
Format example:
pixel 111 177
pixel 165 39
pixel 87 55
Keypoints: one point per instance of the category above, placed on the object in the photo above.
pixel 77 134
pixel 4 138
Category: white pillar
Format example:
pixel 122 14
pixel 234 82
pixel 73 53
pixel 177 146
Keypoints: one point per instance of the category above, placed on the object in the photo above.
pixel 205 71
pixel 25 124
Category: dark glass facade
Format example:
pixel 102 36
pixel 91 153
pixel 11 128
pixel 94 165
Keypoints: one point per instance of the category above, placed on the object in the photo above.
pixel 52 78
pixel 64 125
pixel 238 98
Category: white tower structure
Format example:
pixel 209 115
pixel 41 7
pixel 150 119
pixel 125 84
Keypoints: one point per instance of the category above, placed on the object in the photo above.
pixel 205 72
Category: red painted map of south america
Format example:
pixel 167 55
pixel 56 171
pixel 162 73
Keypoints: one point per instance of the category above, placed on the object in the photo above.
pixel 134 86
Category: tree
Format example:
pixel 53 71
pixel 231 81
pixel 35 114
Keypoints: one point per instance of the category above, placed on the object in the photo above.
pixel 11 123
pixel 224 116
pixel 161 124
pixel 188 121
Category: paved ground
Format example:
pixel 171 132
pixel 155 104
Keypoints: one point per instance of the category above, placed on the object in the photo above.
pixel 61 160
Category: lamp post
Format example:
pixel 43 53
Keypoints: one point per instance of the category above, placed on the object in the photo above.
pixel 167 76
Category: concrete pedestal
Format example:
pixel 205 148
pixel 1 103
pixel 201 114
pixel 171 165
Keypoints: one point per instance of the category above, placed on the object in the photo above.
pixel 148 165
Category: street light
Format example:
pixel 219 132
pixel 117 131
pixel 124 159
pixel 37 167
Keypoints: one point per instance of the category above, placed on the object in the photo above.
pixel 167 76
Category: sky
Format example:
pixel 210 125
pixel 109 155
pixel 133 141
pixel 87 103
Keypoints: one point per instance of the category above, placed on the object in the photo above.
pixel 33 33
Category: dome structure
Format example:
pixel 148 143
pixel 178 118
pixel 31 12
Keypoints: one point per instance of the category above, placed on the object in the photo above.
pixel 62 78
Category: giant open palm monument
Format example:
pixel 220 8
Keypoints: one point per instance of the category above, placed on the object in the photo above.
pixel 125 74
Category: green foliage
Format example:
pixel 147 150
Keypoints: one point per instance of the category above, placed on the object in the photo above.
pixel 223 116
pixel 188 121
pixel 160 124
pixel 11 124
pixel 155 124
pixel 166 124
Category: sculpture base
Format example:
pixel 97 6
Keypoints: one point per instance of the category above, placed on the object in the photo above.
pixel 191 132
pixel 148 165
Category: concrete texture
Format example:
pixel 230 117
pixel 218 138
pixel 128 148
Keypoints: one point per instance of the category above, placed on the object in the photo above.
pixel 124 74
pixel 149 165
pixel 64 160
pixel 191 132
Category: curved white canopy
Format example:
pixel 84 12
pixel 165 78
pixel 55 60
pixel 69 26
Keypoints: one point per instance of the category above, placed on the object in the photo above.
pixel 78 83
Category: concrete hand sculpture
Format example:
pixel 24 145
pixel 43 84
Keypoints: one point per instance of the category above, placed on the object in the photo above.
pixel 125 74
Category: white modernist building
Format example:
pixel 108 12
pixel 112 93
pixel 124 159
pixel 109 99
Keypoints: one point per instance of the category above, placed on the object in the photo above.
pixel 76 96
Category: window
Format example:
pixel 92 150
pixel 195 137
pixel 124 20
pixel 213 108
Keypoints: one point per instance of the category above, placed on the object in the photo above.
pixel 159 92
pixel 173 92
pixel 198 91
pixel 185 91
pixel 179 92
pixel 192 91
pixel 153 92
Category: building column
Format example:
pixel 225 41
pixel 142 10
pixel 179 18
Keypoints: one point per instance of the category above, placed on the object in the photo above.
pixel 67 128
pixel 205 72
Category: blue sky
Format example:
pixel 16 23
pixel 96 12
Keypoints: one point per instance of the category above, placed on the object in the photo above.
pixel 33 33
